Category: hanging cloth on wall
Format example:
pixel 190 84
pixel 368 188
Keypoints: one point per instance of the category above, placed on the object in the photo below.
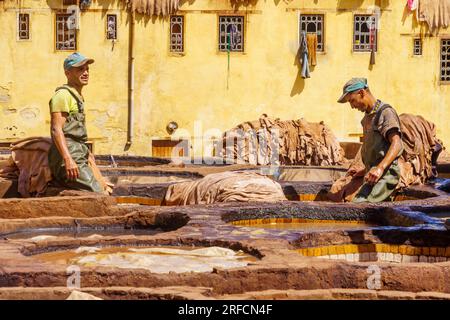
pixel 311 40
pixel 413 4
pixel 232 41
pixel 234 35
pixel 304 56
pixel 372 43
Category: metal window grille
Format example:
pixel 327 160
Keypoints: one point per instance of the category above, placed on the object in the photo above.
pixel 70 2
pixel 177 33
pixel 313 23
pixel 418 47
pixel 111 27
pixel 445 60
pixel 231 33
pixel 66 34
pixel 365 34
pixel 23 26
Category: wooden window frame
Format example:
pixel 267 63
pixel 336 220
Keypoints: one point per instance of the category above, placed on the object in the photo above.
pixel 116 26
pixel 183 35
pixel 377 43
pixel 322 50
pixel 441 40
pixel 19 14
pixel 56 34
pixel 244 33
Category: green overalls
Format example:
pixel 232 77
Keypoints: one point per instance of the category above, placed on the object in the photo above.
pixel 373 151
pixel 76 136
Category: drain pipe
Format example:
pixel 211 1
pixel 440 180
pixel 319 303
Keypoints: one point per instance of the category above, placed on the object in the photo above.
pixel 130 80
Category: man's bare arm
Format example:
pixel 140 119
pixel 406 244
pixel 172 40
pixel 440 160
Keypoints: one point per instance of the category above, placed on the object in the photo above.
pixel 58 119
pixel 396 146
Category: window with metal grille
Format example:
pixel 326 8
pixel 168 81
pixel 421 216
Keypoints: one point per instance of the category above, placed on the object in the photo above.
pixel 445 60
pixel 111 26
pixel 417 47
pixel 365 33
pixel 66 34
pixel 177 33
pixel 70 2
pixel 231 33
pixel 313 23
pixel 23 26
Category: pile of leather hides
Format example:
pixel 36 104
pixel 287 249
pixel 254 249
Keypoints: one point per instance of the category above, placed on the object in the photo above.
pixel 29 164
pixel 240 186
pixel 291 142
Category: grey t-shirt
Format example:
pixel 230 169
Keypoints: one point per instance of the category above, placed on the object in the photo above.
pixel 387 121
pixel 384 122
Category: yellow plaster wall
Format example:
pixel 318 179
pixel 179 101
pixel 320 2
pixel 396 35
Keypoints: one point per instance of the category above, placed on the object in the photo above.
pixel 193 87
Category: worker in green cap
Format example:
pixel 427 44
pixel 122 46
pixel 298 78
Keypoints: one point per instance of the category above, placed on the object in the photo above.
pixel 382 143
pixel 69 154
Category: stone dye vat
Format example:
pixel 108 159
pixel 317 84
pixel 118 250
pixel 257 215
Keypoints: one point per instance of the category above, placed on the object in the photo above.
pixel 129 247
pixel 380 253
pixel 298 183
pixel 43 234
pixel 153 259
pixel 88 214
pixel 298 224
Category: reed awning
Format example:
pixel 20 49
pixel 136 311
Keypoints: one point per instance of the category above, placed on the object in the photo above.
pixel 153 7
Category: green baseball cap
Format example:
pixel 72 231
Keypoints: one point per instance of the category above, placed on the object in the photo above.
pixel 76 60
pixel 353 85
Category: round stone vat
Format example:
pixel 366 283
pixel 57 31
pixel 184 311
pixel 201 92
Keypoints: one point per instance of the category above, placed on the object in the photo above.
pixel 379 253
pixel 154 259
pixel 302 173
pixel 114 161
pixel 83 216
pixel 299 224
pixel 143 177
pixel 299 183
pixel 44 234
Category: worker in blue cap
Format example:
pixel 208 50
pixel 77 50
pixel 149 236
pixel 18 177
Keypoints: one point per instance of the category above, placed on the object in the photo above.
pixel 382 143
pixel 69 154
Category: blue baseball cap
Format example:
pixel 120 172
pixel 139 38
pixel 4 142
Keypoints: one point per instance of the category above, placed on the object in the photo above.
pixel 76 60
pixel 354 84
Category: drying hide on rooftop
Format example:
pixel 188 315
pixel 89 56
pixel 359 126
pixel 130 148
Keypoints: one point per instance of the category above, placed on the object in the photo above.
pixel 154 7
pixel 436 13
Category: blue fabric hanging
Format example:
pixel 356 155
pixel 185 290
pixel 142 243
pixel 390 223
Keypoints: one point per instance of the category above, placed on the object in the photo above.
pixel 304 56
pixel 234 36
